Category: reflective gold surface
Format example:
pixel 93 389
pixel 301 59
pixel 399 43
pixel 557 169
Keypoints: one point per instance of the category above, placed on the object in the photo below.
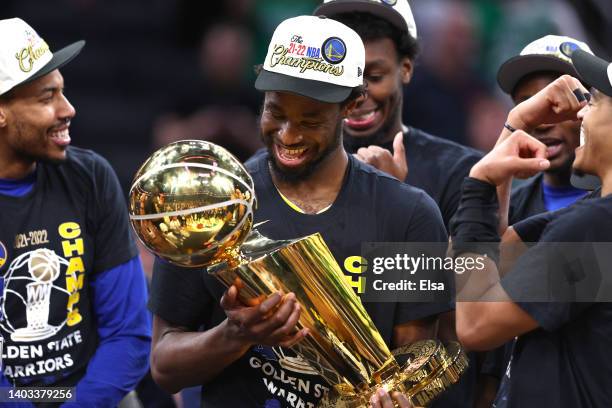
pixel 344 346
pixel 191 202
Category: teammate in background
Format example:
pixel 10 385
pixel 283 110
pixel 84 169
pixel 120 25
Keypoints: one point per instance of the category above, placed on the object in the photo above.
pixel 375 133
pixel 305 183
pixel 522 76
pixel 74 290
pixel 560 358
pixel 374 130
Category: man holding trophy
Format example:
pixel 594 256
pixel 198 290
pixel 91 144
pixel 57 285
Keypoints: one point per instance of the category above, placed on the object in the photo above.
pixel 305 183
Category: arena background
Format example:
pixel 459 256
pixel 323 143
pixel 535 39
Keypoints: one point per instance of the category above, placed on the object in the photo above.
pixel 156 71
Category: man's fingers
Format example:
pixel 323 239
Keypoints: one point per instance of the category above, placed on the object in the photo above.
pixel 252 315
pixel 399 152
pixel 569 97
pixel 270 302
pixel 402 400
pixel 288 322
pixel 294 339
pixel 364 155
pixel 529 147
pixel 229 298
pixel 524 168
pixel 384 399
pixel 265 323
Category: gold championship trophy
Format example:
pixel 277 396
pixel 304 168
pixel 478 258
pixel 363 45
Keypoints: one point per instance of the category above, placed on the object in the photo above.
pixel 192 204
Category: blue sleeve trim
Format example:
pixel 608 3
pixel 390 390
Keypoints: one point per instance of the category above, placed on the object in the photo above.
pixel 124 328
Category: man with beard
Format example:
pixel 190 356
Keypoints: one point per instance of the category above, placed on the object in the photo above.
pixel 375 134
pixel 74 299
pixel 374 130
pixel 305 183
pixel 522 76
pixel 547 299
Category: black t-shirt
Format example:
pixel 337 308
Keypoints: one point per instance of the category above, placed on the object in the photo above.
pixel 371 207
pixel 437 166
pixel 70 226
pixel 526 200
pixel 566 362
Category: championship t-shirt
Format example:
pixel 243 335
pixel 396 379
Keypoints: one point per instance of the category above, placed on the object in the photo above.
pixel 69 226
pixel 370 207
pixel 567 361
pixel 435 165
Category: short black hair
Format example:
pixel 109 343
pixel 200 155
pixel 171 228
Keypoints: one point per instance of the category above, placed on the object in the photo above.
pixel 371 27
pixel 8 95
pixel 356 93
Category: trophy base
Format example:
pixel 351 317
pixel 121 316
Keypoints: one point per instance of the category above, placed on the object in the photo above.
pixel 430 369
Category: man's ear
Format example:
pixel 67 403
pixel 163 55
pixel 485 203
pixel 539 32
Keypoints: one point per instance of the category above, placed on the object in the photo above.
pixel 348 108
pixel 3 114
pixel 406 70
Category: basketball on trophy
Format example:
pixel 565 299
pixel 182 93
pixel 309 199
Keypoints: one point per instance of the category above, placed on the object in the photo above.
pixel 191 202
pixel 44 265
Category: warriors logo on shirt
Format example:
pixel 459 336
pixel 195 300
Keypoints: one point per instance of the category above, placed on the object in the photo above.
pixel 29 284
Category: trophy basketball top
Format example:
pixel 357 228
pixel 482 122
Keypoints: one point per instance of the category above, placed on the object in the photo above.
pixel 191 203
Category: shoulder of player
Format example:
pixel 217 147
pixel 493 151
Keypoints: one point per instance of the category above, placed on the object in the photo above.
pixel 584 218
pixel 393 190
pixel 525 189
pixel 254 163
pixel 85 163
pixel 459 154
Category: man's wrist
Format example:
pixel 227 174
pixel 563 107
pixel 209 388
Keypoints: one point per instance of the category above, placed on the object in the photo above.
pixel 479 172
pixel 517 121
pixel 230 336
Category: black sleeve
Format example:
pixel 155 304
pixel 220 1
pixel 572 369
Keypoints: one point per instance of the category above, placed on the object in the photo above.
pixel 530 229
pixel 426 225
pixel 557 279
pixel 113 238
pixel 179 296
pixel 449 201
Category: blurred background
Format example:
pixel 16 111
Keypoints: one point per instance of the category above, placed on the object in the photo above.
pixel 156 71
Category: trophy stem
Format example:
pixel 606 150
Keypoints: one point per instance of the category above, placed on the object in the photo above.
pixel 343 346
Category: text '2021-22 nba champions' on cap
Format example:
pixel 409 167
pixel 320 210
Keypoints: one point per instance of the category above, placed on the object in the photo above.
pixel 25 56
pixel 314 57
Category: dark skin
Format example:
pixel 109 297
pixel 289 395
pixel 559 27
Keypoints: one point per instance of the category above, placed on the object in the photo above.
pixel 385 73
pixel 484 325
pixel 292 122
pixel 34 123
pixel 561 138
pixel 181 357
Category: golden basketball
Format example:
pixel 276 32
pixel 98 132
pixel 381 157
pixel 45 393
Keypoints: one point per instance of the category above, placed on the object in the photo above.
pixel 191 202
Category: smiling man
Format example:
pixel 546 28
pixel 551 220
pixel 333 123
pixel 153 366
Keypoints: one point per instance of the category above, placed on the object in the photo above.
pixel 522 76
pixel 74 298
pixel 305 183
pixel 561 356
pixel 374 129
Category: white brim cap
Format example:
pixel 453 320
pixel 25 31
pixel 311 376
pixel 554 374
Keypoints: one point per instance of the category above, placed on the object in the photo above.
pixel 315 57
pixel 542 55
pixel 25 56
